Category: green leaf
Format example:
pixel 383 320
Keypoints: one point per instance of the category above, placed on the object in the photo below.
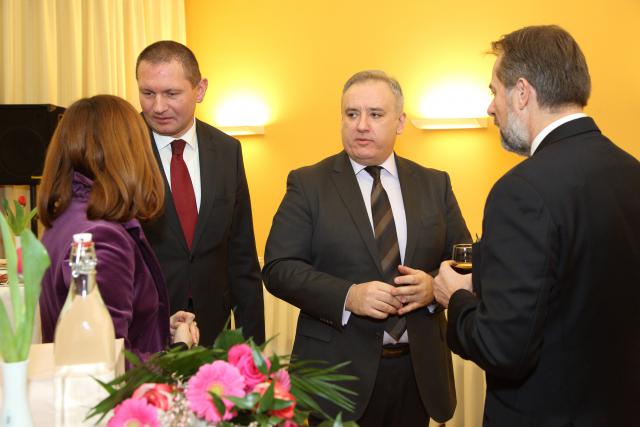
pixel 7 343
pixel 10 348
pixel 247 402
pixel 275 363
pixel 35 263
pixel 266 402
pixel 258 359
pixel 19 218
pixel 219 404
pixel 228 338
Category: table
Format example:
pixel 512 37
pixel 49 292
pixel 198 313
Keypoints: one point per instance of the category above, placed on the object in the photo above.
pixel 41 372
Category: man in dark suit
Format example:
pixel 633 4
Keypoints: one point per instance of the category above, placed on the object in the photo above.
pixel 204 240
pixel 357 302
pixel 552 313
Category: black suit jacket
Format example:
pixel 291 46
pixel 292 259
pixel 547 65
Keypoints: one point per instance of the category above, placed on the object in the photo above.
pixel 555 324
pixel 321 243
pixel 222 267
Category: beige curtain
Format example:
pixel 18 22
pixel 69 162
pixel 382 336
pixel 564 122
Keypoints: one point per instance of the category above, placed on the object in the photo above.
pixel 56 51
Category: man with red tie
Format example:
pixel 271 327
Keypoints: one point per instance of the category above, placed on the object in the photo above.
pixel 205 240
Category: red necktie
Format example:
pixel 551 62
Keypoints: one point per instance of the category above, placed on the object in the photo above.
pixel 182 191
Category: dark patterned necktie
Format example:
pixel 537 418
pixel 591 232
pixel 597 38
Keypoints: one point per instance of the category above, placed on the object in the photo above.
pixel 387 241
pixel 182 191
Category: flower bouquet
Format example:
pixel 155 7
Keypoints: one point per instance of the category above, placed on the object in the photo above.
pixel 229 384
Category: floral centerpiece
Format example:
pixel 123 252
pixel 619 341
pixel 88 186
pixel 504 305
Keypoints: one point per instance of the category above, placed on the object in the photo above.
pixel 230 384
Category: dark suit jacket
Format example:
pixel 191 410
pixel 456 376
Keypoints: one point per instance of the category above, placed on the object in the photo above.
pixel 222 268
pixel 556 321
pixel 321 243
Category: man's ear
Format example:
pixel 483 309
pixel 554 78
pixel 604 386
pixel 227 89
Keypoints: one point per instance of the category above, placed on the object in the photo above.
pixel 401 121
pixel 201 89
pixel 524 93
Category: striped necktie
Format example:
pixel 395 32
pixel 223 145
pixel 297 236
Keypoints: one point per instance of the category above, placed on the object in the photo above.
pixel 387 241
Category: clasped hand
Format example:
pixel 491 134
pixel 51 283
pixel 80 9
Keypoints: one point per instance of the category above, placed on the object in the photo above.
pixel 380 300
pixel 184 329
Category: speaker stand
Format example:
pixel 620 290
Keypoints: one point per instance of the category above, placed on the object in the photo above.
pixel 32 204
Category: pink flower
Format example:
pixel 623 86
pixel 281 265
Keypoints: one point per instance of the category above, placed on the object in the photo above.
pixel 158 395
pixel 241 356
pixel 134 413
pixel 282 379
pixel 220 378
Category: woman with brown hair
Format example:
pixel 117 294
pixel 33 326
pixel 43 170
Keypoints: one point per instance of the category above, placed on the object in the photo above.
pixel 100 177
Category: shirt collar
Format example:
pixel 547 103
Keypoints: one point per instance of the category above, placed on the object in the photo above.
pixel 551 126
pixel 389 165
pixel 189 137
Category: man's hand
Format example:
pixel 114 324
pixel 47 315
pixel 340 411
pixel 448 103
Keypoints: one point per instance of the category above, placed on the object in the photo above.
pixel 372 299
pixel 448 281
pixel 414 290
pixel 183 328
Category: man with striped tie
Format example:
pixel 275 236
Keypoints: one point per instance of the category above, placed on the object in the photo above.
pixel 355 244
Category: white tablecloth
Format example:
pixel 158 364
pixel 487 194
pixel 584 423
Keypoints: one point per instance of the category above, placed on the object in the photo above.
pixel 41 370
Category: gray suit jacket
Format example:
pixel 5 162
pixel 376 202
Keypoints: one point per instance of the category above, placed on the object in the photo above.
pixel 321 243
pixel 222 267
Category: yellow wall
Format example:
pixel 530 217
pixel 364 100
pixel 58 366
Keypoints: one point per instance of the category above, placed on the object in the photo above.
pixel 296 55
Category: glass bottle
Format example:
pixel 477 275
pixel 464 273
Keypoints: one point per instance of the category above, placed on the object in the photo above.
pixel 84 339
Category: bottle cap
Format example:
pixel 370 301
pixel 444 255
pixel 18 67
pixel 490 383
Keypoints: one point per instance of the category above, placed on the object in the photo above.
pixel 82 237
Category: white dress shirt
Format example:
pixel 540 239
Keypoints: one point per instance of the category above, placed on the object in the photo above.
pixel 190 156
pixel 391 184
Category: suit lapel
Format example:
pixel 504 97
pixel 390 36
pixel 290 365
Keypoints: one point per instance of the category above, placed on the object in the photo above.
pixel 170 213
pixel 349 191
pixel 209 167
pixel 411 199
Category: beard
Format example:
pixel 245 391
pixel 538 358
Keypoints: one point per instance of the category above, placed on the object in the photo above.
pixel 514 135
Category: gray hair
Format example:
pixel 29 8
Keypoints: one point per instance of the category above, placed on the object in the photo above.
pixel 549 59
pixel 380 76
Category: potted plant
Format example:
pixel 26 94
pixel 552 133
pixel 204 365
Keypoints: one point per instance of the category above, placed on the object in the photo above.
pixel 16 333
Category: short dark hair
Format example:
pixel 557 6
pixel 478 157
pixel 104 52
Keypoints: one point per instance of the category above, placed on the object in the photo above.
pixel 105 139
pixel 549 59
pixel 380 76
pixel 166 51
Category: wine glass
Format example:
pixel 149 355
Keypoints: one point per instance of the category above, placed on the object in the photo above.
pixel 461 257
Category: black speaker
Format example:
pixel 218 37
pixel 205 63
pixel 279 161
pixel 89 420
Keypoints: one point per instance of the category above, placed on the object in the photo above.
pixel 25 132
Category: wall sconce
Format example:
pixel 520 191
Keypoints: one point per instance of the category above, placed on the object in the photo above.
pixel 453 105
pixel 451 123
pixel 242 130
pixel 241 115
